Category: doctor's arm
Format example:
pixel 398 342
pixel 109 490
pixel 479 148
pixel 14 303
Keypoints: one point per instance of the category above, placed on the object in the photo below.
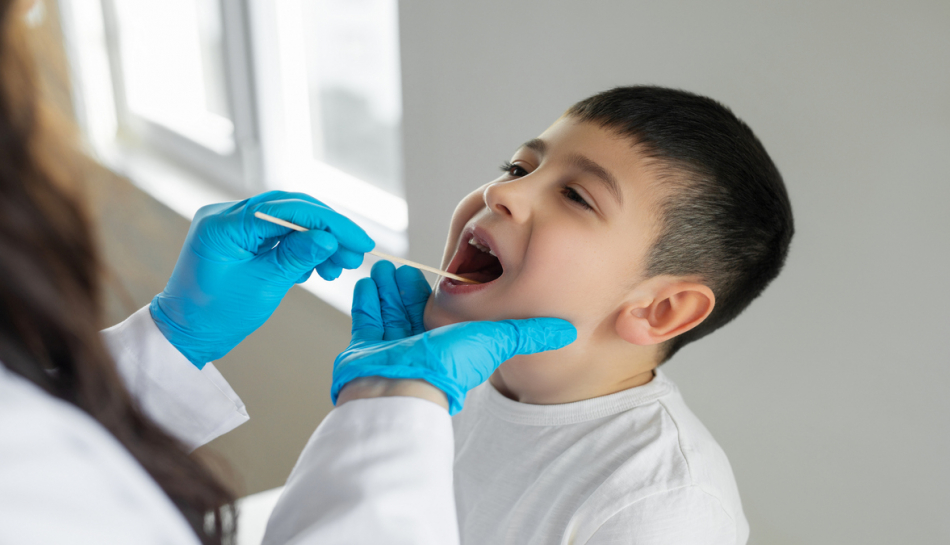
pixel 231 274
pixel 378 469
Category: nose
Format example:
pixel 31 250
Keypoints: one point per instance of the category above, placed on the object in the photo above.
pixel 511 199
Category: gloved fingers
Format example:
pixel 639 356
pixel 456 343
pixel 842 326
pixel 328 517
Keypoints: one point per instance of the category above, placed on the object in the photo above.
pixel 311 215
pixel 213 233
pixel 217 209
pixel 367 318
pixel 329 270
pixel 218 221
pixel 280 195
pixel 347 259
pixel 268 243
pixel 304 277
pixel 414 291
pixel 396 322
pixel 532 335
pixel 298 253
pixel 483 346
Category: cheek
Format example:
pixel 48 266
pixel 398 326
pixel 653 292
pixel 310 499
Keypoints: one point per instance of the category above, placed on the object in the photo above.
pixel 560 267
pixel 567 255
pixel 568 272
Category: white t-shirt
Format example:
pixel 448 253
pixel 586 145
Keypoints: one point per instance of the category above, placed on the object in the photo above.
pixel 635 467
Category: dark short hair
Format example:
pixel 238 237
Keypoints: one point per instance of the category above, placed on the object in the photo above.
pixel 725 212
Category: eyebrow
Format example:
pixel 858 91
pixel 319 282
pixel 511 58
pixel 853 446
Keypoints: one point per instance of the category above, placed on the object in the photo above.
pixel 584 164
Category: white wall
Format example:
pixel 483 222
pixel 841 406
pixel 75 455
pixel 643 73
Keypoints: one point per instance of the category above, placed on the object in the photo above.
pixel 830 394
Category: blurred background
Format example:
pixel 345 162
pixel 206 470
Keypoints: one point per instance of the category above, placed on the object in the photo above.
pixel 830 394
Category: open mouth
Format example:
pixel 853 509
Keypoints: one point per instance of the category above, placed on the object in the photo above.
pixel 476 261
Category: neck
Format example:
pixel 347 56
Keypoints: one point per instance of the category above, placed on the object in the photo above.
pixel 569 375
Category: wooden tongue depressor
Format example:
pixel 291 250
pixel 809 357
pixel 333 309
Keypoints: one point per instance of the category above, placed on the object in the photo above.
pixel 381 255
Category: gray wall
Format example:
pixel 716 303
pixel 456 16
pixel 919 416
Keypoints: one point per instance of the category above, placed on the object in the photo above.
pixel 830 393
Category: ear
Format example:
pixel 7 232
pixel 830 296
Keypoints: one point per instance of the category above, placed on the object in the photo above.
pixel 664 311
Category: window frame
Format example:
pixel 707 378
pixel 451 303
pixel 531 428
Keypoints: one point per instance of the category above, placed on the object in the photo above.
pixel 280 76
pixel 238 170
pixel 185 175
pixel 265 78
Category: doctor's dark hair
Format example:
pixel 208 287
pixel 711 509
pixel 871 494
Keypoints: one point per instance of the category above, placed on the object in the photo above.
pixel 724 211
pixel 50 309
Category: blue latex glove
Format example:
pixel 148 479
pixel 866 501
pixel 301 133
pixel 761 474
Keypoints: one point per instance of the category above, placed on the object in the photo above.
pixel 234 269
pixel 403 294
pixel 454 358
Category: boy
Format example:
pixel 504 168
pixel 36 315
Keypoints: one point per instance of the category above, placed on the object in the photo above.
pixel 648 218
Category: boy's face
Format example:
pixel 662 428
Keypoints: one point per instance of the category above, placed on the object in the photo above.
pixel 571 223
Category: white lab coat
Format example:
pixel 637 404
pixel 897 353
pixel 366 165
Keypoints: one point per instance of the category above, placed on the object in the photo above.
pixel 375 471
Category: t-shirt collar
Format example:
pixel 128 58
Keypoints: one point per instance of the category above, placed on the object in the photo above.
pixel 576 412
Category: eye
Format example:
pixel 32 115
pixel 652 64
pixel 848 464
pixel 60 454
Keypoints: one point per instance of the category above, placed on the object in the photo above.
pixel 513 170
pixel 572 195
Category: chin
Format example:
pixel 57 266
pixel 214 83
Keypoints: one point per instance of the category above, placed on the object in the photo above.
pixel 436 315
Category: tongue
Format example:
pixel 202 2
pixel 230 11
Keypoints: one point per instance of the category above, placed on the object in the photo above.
pixel 480 267
pixel 482 277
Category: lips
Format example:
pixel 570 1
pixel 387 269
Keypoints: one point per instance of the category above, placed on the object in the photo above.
pixel 476 258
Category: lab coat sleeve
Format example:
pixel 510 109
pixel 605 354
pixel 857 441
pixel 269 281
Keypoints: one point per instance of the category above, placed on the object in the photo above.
pixel 375 471
pixel 194 405
pixel 64 479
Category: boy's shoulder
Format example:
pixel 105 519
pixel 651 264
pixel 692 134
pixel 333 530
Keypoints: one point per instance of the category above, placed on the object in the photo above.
pixel 693 474
pixel 634 457
pixel 706 463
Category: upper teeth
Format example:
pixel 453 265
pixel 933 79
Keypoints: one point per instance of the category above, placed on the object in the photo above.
pixel 481 247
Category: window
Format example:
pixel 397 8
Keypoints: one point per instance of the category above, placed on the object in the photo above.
pixel 238 96
pixel 352 68
pixel 170 58
pixel 330 100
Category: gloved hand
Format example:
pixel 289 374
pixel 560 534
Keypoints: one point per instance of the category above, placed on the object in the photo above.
pixel 234 269
pixel 403 294
pixel 388 339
